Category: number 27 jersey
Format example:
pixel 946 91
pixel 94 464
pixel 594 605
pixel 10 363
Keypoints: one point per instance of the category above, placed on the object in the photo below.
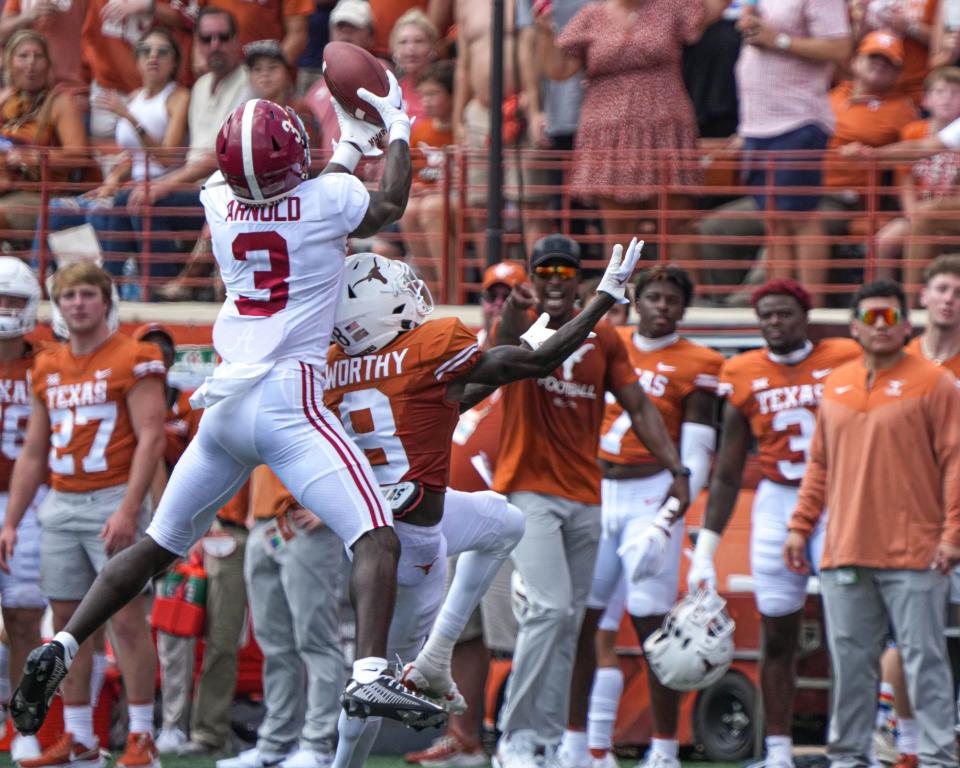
pixel 780 401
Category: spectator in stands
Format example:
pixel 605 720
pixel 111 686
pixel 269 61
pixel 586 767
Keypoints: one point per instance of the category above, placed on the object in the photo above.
pixel 212 98
pixel 893 531
pixel 929 179
pixel 944 37
pixel 58 23
pixel 270 79
pixel 868 110
pixel 33 117
pixel 624 69
pixel 310 63
pixel 387 12
pixel 422 222
pixel 293 573
pixel 709 74
pixel 783 76
pixel 283 20
pixel 153 117
pixel 110 32
pixel 911 21
pixel 412 44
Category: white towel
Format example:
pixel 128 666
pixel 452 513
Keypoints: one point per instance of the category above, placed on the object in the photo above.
pixel 228 380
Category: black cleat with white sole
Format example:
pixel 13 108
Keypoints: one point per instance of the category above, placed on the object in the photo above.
pixel 386 696
pixel 42 675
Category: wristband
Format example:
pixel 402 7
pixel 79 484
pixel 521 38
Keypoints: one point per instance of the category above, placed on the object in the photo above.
pixel 400 131
pixel 346 154
pixel 707 543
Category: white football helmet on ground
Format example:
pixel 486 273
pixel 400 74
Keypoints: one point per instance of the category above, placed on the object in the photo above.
pixel 17 279
pixel 694 647
pixel 379 298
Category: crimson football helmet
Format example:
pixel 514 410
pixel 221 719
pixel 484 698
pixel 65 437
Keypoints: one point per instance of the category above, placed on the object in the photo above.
pixel 263 151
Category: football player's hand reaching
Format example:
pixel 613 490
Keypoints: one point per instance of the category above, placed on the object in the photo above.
pixel 363 135
pixel 621 266
pixel 390 109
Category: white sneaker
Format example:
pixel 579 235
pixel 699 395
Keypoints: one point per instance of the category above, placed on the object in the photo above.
pixel 607 761
pixel 24 748
pixel 169 740
pixel 254 758
pixel 516 750
pixel 308 758
pixel 656 760
pixel 564 758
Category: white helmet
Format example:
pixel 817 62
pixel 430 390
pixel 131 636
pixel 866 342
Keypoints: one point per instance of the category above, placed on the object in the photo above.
pixel 379 298
pixel 694 647
pixel 17 279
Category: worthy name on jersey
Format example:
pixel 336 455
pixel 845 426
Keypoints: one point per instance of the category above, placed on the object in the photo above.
pixel 287 209
pixel 794 396
pixel 356 370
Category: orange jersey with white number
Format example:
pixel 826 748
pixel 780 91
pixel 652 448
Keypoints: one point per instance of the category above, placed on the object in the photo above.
pixel 15 398
pixel 952 364
pixel 393 403
pixel 91 438
pixel 667 376
pixel 780 402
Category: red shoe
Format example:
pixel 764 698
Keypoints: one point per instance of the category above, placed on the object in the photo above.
pixel 906 761
pixel 67 753
pixel 449 752
pixel 141 752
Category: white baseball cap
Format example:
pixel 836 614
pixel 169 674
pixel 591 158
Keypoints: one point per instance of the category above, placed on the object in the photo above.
pixel 356 13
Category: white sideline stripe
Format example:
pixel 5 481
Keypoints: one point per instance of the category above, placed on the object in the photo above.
pixel 246 144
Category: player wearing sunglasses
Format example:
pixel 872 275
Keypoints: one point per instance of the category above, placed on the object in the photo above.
pixel 885 460
pixel 772 395
pixel 547 465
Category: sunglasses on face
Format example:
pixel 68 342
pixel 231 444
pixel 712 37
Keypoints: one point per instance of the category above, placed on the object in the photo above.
pixel 160 50
pixel 890 315
pixel 496 294
pixel 563 271
pixel 223 37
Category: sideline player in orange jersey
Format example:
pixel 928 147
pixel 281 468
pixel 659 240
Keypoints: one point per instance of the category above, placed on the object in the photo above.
pixel 97 417
pixel 772 395
pixel 639 542
pixel 21 598
pixel 398 384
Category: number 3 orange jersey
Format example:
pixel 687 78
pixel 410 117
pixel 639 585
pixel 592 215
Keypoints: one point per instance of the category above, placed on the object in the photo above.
pixel 14 411
pixel 780 402
pixel 668 376
pixel 91 439
pixel 393 402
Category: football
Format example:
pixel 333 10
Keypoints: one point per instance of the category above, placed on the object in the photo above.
pixel 347 67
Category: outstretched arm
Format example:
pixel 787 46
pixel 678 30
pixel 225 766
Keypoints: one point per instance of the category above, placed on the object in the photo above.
pixel 389 202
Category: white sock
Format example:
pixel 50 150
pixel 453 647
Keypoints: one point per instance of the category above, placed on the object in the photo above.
pixel 141 718
pixel 4 673
pixel 475 571
pixel 78 720
pixel 666 747
pixel 884 705
pixel 907 735
pixel 355 737
pixel 70 646
pixel 779 748
pixel 574 743
pixel 435 654
pixel 604 700
pixel 368 669
pixel 98 671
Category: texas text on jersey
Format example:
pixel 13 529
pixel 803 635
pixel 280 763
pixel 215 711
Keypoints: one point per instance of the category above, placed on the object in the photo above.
pixel 780 401
pixel 281 265
pixel 92 441
pixel 392 402
pixel 667 375
pixel 15 396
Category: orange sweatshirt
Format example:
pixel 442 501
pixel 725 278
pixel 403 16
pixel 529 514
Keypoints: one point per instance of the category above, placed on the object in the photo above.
pixel 885 461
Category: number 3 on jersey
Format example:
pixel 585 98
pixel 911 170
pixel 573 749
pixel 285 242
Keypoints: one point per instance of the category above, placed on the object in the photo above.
pixel 799 442
pixel 255 248
pixel 367 417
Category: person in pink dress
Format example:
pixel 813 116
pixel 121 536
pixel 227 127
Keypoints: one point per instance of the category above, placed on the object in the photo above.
pixel 634 100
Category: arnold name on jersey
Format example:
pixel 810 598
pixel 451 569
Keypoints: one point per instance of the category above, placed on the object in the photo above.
pixel 287 209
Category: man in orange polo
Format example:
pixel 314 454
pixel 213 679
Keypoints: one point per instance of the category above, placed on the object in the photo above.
pixel 885 460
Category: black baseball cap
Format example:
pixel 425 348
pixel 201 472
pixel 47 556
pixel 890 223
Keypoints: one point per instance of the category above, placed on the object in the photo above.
pixel 555 248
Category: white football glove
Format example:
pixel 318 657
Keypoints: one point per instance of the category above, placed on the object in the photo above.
pixel 365 136
pixel 650 548
pixel 390 109
pixel 621 266
pixel 538 333
pixel 702 573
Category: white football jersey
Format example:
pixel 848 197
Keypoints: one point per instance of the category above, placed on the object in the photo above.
pixel 281 265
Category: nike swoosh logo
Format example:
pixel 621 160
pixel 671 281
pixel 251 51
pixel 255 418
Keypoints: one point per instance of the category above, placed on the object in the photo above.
pixel 821 373
pixel 841 390
pixel 664 368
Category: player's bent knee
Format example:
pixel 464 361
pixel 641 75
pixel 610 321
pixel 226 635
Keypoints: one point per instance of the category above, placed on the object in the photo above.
pixel 512 525
pixel 422 550
pixel 378 543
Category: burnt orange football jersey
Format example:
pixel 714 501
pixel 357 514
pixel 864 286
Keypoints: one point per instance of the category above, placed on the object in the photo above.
pixel 180 426
pixel 91 440
pixel 667 376
pixel 551 425
pixel 780 401
pixel 952 364
pixel 476 443
pixel 393 403
pixel 15 398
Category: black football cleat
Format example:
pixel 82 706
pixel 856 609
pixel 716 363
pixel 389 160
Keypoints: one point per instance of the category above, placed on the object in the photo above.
pixel 389 697
pixel 42 674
